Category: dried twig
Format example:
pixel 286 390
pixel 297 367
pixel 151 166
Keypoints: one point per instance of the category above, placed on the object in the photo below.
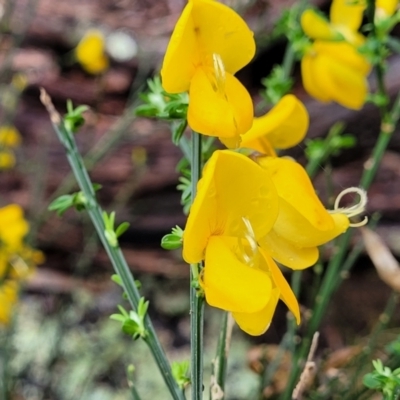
pixel 308 370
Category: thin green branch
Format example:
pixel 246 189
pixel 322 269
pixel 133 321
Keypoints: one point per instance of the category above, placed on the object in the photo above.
pixel 220 362
pixel 115 254
pixel 196 299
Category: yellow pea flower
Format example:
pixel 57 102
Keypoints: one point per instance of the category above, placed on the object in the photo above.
pixel 209 44
pixel 9 136
pixel 385 8
pixel 303 223
pixel 8 299
pixel 7 159
pixel 335 71
pixel 284 126
pixel 236 205
pixel 345 21
pixel 90 52
pixel 13 227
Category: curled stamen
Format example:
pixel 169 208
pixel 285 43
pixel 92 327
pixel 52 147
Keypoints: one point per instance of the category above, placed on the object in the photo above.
pixel 219 71
pixel 353 210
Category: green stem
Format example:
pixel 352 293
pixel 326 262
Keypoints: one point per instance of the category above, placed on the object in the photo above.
pixel 196 298
pixel 220 362
pixel 115 254
pixel 333 274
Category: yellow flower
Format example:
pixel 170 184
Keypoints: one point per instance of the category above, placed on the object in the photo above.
pixel 209 44
pixel 8 299
pixel 303 223
pixel 9 136
pixel 335 71
pixel 13 227
pixel 385 8
pixel 7 159
pixel 284 126
pixel 236 205
pixel 90 52
pixel 345 21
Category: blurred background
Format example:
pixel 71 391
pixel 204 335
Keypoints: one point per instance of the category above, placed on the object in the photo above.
pixel 62 344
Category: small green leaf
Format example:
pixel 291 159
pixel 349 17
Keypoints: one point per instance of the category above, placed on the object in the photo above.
pixel 122 229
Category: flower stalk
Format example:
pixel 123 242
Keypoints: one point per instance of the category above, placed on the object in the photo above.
pixel 196 298
pixel 115 254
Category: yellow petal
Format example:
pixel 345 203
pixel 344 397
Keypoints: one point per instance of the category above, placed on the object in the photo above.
pixel 8 298
pixel 286 293
pixel 386 7
pixel 308 74
pixel 90 52
pixel 232 188
pixel 13 226
pixel 220 30
pixel 296 228
pixel 219 108
pixel 7 159
pixel 205 28
pixel 344 53
pixel 294 187
pixel 257 323
pixel 288 254
pixel 338 80
pixel 317 27
pixel 347 13
pixel 229 283
pixel 9 136
pixel 182 56
pixel 284 126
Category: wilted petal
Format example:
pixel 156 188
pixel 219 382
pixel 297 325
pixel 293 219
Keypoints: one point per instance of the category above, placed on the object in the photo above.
pixel 317 27
pixel 229 283
pixel 284 126
pixel 257 323
pixel 233 189
pixel 219 107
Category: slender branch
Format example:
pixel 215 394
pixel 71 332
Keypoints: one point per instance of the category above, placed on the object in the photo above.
pixel 115 254
pixel 196 299
pixel 219 365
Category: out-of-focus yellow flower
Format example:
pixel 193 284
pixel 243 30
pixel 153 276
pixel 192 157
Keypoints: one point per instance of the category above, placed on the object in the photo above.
pixel 90 52
pixel 209 44
pixel 7 159
pixel 17 260
pixel 335 71
pixel 385 8
pixel 303 223
pixel 284 126
pixel 345 21
pixel 9 136
pixel 236 205
pixel 8 299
